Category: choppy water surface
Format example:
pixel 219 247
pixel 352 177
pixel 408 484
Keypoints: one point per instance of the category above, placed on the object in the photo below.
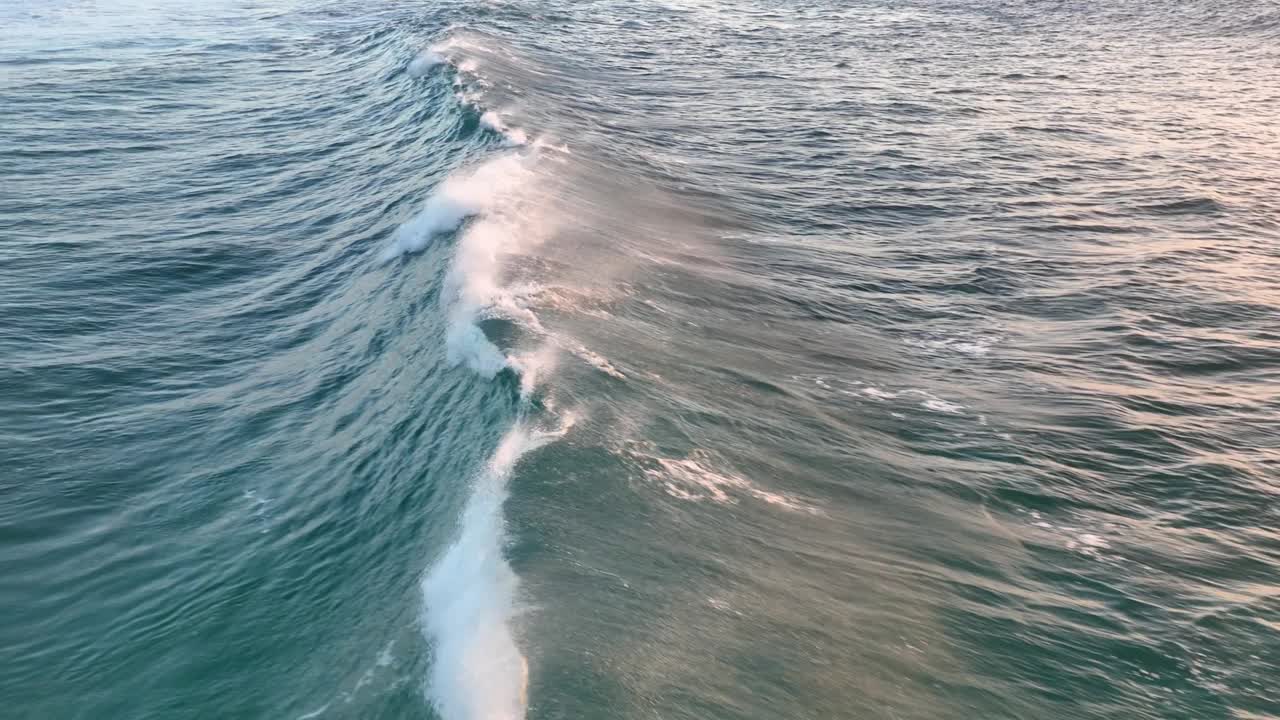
pixel 715 359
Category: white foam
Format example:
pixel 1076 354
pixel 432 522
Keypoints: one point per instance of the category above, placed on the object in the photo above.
pixel 935 403
pixel 473 285
pixel 506 214
pixel 693 479
pixel 942 406
pixel 470 600
pixel 456 41
pixel 424 63
pixel 592 358
pixel 1088 543
pixel 385 658
pixel 492 120
pixel 466 344
pixel 459 197
pixel 496 194
pixel 544 143
pixel 971 344
pixel 533 367
pixel 315 713
pixel 495 122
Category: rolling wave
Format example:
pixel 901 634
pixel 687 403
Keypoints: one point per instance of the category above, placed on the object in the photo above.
pixel 470 594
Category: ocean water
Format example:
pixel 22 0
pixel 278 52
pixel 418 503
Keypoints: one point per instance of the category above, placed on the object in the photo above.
pixel 706 359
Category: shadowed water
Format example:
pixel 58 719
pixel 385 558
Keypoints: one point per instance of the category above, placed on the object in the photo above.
pixel 716 359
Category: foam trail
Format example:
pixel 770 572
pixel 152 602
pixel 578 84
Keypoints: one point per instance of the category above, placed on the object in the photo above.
pixel 469 599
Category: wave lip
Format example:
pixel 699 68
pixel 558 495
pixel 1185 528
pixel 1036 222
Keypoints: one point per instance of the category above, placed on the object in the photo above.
pixel 444 212
pixel 462 195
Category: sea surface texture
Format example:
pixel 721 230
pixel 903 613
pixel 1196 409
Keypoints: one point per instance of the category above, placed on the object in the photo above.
pixel 639 360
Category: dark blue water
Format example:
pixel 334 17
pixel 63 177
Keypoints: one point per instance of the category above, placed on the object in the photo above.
pixel 714 359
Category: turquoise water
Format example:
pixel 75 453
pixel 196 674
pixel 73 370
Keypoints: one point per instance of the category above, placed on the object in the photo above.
pixel 712 359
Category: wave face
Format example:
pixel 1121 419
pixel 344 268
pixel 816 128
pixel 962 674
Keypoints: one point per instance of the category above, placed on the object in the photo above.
pixel 532 360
